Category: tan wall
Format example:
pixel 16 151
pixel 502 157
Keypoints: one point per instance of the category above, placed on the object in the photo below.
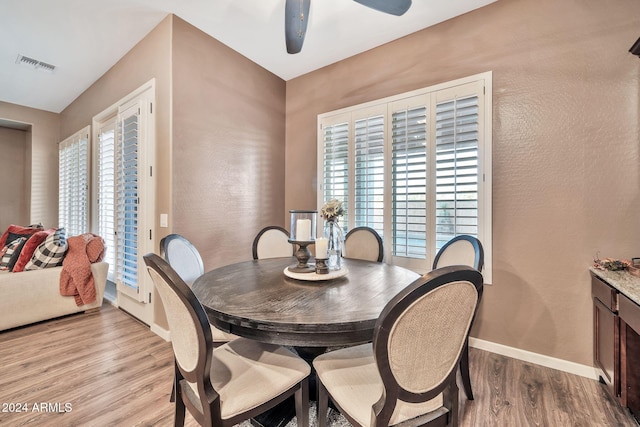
pixel 13 203
pixel 565 149
pixel 228 147
pixel 41 157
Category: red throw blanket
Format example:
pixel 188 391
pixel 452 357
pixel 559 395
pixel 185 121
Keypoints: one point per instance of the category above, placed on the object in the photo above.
pixel 76 279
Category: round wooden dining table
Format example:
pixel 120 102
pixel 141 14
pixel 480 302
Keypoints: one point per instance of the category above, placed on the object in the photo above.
pixel 256 300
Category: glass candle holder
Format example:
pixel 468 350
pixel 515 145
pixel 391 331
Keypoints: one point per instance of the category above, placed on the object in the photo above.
pixel 303 225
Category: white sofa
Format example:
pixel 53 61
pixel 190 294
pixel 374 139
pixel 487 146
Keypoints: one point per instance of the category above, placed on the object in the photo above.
pixel 31 296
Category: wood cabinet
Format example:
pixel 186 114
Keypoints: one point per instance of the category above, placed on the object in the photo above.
pixel 630 355
pixel 616 342
pixel 606 330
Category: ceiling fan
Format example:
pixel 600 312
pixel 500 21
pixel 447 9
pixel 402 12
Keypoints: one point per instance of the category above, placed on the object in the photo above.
pixel 297 16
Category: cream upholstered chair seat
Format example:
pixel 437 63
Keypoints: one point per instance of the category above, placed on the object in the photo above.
pixel 355 383
pixel 363 243
pixel 226 385
pixel 409 372
pixel 272 242
pixel 244 371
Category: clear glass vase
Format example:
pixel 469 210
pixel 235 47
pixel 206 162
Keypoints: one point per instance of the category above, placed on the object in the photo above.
pixel 335 240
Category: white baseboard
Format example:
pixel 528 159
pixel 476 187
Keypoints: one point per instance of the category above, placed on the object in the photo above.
pixel 161 332
pixel 516 353
pixel 538 359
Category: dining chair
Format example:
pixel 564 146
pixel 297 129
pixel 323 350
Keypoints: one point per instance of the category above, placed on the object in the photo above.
pixel 223 386
pixel 462 250
pixel 185 259
pixel 272 242
pixel 408 373
pixel 183 256
pixel 363 243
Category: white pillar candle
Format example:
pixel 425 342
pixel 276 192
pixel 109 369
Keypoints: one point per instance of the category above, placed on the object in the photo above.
pixel 303 230
pixel 321 247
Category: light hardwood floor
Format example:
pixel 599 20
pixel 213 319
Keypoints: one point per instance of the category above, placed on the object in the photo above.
pixel 107 369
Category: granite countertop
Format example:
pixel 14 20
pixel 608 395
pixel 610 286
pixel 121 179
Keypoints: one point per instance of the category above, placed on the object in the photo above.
pixel 626 283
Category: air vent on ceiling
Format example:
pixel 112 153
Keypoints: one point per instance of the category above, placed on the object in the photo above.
pixel 35 64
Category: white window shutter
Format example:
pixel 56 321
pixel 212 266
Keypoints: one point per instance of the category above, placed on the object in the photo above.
pixel 335 148
pixel 369 172
pixel 420 171
pixel 409 181
pixel 456 186
pixel 73 186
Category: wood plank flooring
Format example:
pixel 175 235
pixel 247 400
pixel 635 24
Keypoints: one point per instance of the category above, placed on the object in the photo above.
pixel 107 369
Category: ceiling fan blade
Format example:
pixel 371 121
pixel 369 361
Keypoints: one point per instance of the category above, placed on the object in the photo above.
pixel 393 7
pixel 296 17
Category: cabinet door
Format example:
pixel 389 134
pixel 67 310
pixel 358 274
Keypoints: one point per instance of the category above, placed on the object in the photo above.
pixel 606 345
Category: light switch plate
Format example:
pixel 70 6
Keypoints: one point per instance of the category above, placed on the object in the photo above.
pixel 164 220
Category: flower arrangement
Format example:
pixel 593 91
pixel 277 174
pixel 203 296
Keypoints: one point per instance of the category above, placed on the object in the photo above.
pixel 611 264
pixel 332 209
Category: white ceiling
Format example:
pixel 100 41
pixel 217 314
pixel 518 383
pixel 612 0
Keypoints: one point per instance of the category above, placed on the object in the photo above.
pixel 84 38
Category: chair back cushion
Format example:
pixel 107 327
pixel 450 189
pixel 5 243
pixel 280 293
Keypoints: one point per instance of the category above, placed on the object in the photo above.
pixel 427 338
pixel 461 250
pixel 272 242
pixel 419 337
pixel 183 257
pixel 363 243
pixel 187 320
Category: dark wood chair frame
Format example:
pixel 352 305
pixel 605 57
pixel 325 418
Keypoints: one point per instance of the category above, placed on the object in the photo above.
pixel 377 236
pixel 477 264
pixel 384 407
pixel 254 247
pixel 164 252
pixel 208 414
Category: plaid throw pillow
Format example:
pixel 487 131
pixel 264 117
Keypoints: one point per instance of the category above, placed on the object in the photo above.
pixel 50 253
pixel 10 253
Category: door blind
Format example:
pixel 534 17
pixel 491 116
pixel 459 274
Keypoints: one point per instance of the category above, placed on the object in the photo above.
pixel 127 195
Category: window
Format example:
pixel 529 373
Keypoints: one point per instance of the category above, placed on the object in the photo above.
pixel 73 184
pixel 416 167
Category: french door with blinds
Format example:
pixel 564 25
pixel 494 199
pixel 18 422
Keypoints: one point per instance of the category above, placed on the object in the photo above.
pixel 124 211
pixel 415 167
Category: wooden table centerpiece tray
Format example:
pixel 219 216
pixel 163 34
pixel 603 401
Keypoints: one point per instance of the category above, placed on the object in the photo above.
pixel 315 277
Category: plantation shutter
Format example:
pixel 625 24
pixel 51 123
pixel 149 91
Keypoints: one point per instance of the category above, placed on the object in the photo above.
pixel 418 168
pixel 126 189
pixel 106 191
pixel 409 181
pixel 73 185
pixel 369 173
pixel 336 162
pixel 456 166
